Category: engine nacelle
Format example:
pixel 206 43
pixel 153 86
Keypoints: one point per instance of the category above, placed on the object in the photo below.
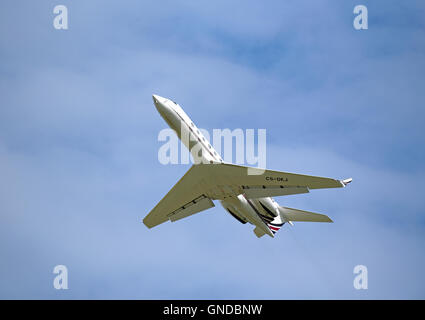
pixel 270 206
pixel 234 213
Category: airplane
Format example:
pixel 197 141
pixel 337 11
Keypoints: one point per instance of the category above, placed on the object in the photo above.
pixel 246 193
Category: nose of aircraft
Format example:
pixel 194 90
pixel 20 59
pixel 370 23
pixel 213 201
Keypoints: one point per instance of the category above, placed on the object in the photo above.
pixel 162 107
pixel 159 103
pixel 158 99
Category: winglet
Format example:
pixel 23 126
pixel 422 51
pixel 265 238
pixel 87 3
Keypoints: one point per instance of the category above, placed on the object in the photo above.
pixel 346 181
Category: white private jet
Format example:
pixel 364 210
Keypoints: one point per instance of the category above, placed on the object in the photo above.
pixel 245 192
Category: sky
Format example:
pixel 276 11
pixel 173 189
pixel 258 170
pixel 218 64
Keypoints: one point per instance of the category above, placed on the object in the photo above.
pixel 79 145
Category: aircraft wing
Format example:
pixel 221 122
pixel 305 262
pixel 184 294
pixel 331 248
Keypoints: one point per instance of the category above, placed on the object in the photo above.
pixel 184 199
pixel 205 182
pixel 230 180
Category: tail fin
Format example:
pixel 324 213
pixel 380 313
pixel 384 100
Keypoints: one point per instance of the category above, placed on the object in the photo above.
pixel 290 214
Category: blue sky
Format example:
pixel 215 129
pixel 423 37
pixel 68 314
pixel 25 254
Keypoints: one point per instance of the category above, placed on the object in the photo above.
pixel 78 146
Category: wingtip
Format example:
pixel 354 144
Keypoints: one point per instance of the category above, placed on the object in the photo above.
pixel 346 181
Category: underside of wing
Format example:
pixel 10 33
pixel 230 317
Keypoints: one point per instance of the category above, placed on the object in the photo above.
pixel 230 180
pixel 184 199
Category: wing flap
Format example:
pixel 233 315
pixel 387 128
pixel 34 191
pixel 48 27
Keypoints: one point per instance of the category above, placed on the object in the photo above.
pixel 197 205
pixel 253 192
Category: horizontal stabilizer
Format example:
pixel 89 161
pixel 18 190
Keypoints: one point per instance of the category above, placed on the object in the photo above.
pixel 258 232
pixel 290 214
